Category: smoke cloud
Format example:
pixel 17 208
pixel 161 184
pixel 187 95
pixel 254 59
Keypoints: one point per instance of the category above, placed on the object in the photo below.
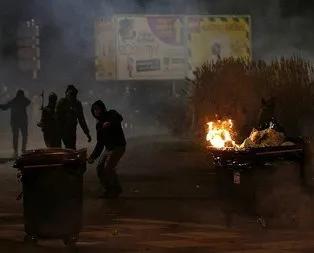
pixel 272 34
pixel 67 36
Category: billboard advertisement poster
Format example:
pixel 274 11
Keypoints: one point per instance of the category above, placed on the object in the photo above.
pixel 150 47
pixel 210 38
pixel 104 49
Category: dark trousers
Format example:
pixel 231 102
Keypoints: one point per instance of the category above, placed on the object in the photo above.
pixel 16 128
pixel 106 170
pixel 69 140
pixel 52 140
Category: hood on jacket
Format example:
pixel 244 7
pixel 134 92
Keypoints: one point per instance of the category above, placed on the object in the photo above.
pixel 102 107
pixel 52 99
pixel 71 90
pixel 20 94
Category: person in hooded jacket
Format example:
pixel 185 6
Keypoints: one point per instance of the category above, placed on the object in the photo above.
pixel 266 113
pixel 48 123
pixel 267 116
pixel 69 112
pixel 19 119
pixel 111 137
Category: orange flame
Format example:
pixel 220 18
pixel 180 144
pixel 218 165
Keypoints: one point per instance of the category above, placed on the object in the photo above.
pixel 219 134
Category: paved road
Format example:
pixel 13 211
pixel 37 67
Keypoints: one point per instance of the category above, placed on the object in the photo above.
pixel 169 205
pixel 142 235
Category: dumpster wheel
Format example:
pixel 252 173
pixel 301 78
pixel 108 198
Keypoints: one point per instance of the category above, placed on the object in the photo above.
pixel 70 242
pixel 262 222
pixel 30 239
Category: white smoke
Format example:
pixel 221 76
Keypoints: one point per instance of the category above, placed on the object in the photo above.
pixel 67 32
pixel 272 34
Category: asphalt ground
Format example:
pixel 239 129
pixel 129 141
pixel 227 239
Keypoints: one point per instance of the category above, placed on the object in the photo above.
pixel 172 203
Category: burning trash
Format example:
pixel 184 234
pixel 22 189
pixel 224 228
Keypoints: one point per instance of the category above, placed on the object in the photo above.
pixel 264 138
pixel 220 135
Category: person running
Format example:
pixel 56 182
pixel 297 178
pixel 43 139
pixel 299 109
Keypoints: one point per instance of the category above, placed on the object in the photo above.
pixel 110 136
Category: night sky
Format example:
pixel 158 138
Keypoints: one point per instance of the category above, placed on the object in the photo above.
pixel 67 26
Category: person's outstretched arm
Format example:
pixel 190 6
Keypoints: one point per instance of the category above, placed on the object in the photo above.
pixel 82 121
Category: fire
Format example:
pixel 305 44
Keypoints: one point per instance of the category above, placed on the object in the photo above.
pixel 219 134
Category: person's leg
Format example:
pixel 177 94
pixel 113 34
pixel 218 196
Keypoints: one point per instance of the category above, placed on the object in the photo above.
pixel 69 140
pixel 116 186
pixel 111 163
pixel 24 130
pixel 62 141
pixel 47 139
pixel 15 134
pixel 52 139
pixel 56 140
pixel 101 173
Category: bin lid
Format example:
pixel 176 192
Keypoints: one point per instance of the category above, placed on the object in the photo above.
pixel 50 156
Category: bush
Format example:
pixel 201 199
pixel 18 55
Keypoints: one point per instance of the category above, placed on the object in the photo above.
pixel 233 88
pixel 175 118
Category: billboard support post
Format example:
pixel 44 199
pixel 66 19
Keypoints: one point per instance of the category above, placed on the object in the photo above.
pixel 29 47
pixel 174 89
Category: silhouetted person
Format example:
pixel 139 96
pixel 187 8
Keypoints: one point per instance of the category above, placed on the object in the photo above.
pixel 69 112
pixel 267 116
pixel 19 119
pixel 49 125
pixel 110 136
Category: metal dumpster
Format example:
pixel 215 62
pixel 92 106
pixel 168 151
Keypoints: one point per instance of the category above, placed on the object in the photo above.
pixel 237 169
pixel 52 182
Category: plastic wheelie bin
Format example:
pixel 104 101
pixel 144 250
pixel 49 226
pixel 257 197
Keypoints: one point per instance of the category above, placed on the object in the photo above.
pixel 52 181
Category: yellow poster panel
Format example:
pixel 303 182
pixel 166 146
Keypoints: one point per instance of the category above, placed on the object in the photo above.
pixel 104 49
pixel 214 37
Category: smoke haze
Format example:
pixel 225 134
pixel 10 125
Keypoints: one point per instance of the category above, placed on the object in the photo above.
pixel 272 34
pixel 67 41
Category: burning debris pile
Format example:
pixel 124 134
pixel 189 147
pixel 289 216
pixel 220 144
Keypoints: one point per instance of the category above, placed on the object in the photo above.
pixel 265 138
pixel 220 135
